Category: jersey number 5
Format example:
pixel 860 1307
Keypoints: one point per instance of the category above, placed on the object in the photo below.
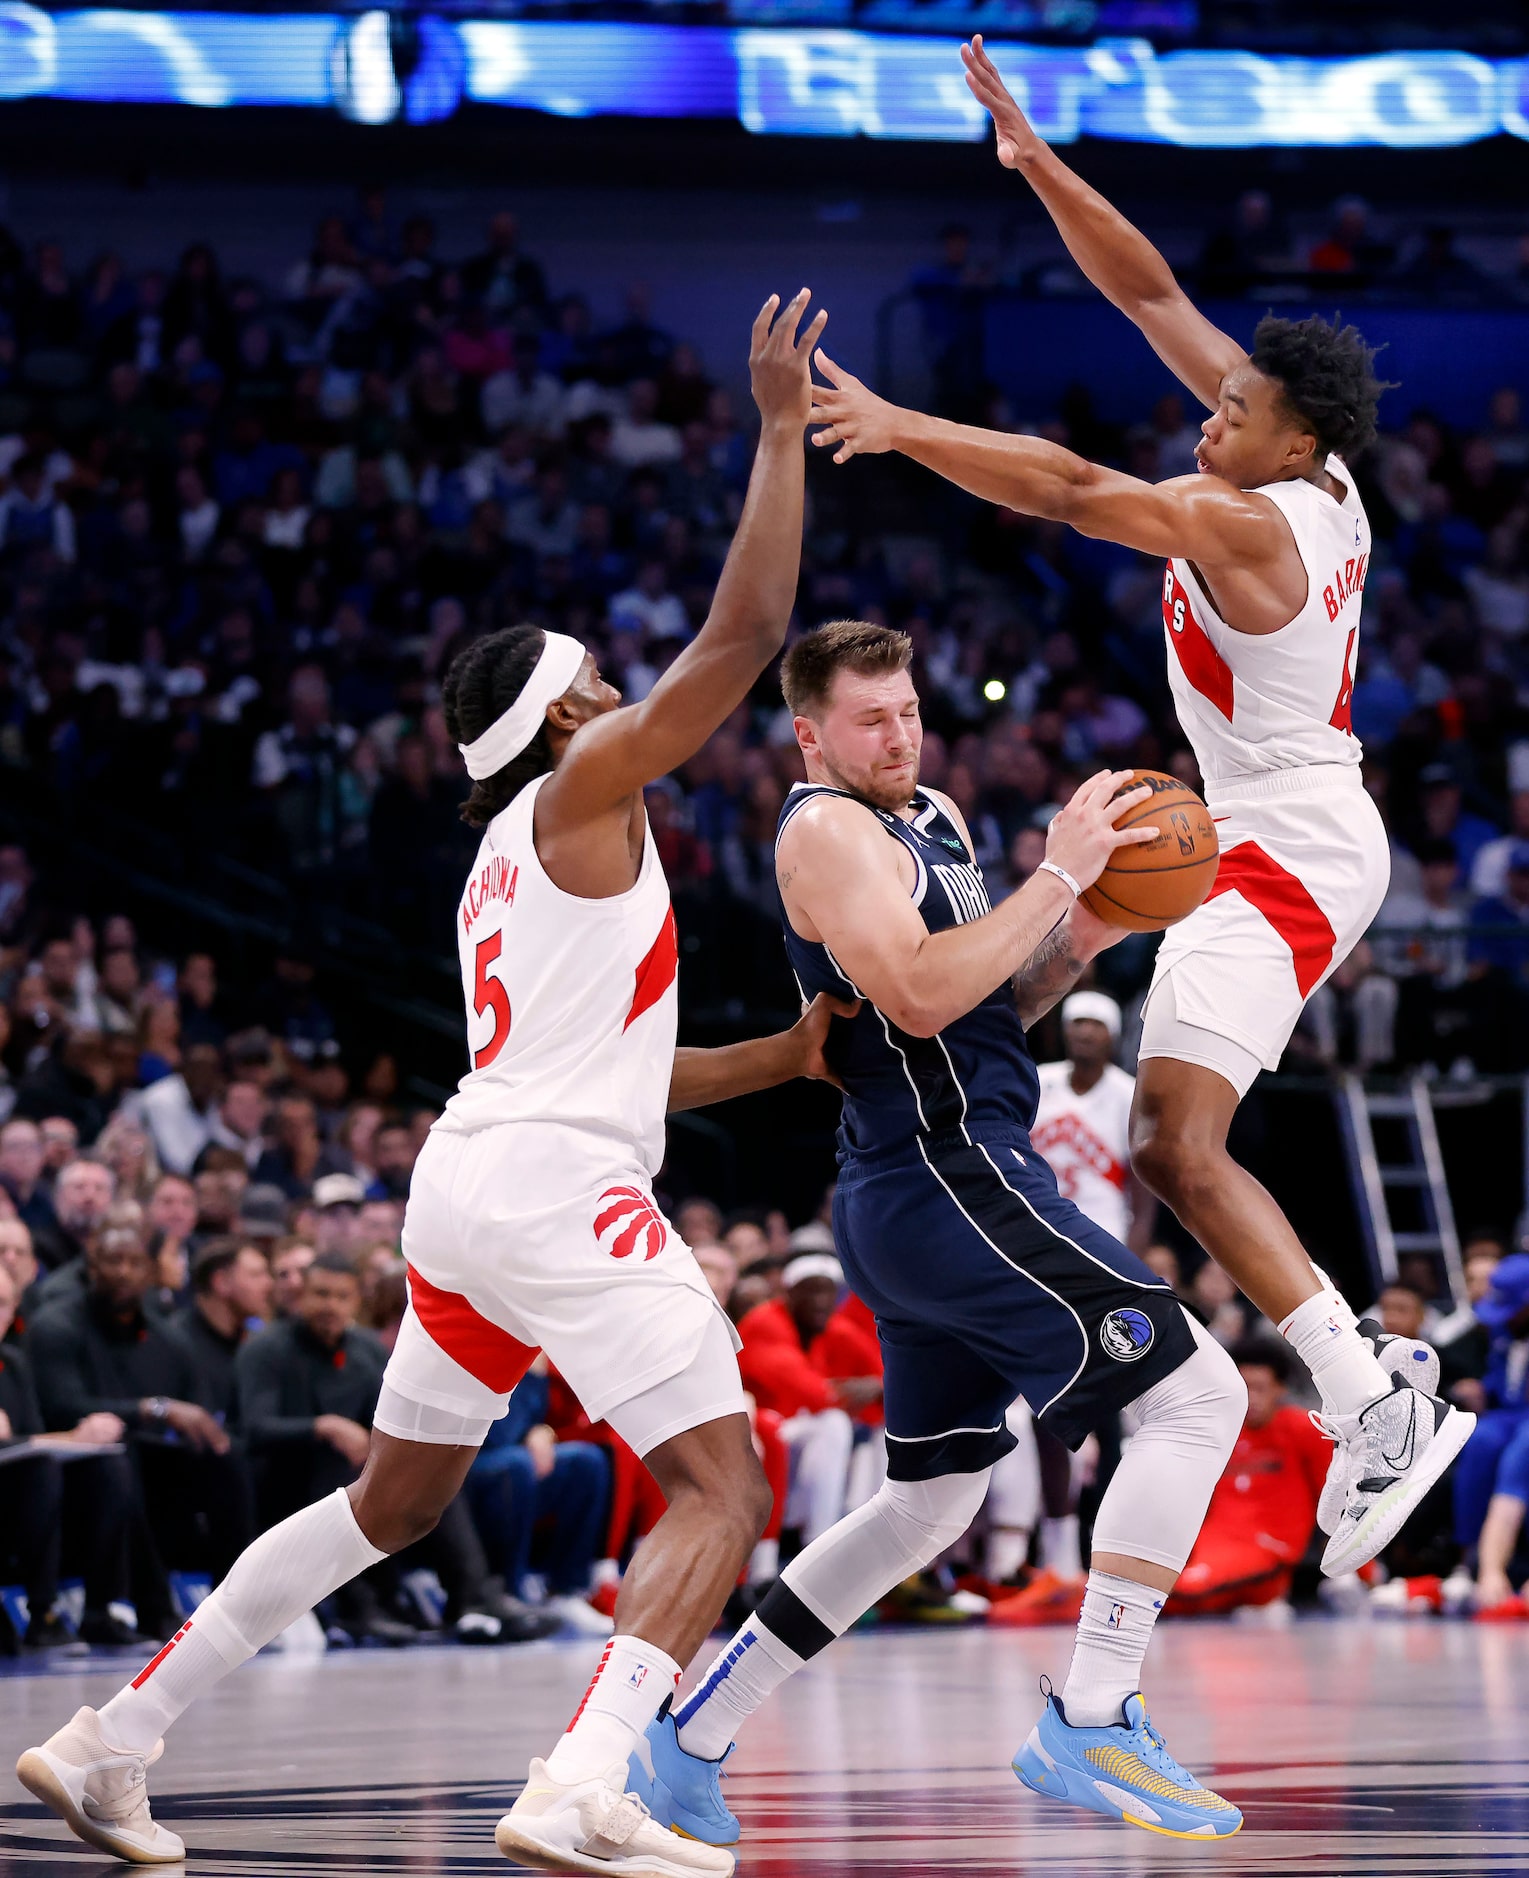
pixel 490 994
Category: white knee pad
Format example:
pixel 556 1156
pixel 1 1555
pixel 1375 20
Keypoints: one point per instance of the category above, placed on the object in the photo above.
pixel 926 1516
pixel 903 1525
pixel 1188 1426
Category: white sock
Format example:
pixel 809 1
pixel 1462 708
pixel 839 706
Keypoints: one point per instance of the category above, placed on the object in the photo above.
pixel 1060 1549
pixel 1323 1335
pixel 284 1573
pixel 1113 1633
pixel 752 1666
pixel 626 1692
pixel 1008 1547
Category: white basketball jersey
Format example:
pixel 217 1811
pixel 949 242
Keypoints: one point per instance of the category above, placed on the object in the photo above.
pixel 1085 1141
pixel 572 1004
pixel 1253 702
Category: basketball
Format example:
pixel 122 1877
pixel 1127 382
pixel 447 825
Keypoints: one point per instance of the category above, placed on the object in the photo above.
pixel 1160 882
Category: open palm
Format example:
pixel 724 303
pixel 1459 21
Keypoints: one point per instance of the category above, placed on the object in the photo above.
pixel 1015 137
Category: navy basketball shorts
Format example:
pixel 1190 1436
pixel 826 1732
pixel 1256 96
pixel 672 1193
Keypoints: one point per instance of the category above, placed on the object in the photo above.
pixel 987 1285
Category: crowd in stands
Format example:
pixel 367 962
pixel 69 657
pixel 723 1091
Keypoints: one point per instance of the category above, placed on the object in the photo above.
pixel 201 1277
pixel 243 527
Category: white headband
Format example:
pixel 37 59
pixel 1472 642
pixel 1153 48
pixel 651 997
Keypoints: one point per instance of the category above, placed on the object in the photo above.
pixel 507 736
pixel 812 1265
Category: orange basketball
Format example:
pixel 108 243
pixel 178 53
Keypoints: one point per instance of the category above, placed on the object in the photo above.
pixel 1158 883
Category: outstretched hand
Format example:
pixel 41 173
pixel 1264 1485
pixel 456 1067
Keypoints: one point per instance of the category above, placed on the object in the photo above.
pixel 1016 139
pixel 780 364
pixel 857 421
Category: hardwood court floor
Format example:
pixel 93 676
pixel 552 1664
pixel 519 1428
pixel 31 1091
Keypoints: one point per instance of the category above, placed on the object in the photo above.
pixel 1354 1749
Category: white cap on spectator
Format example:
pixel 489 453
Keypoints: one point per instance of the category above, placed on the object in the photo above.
pixel 1095 1004
pixel 812 1265
pixel 813 1237
pixel 337 1190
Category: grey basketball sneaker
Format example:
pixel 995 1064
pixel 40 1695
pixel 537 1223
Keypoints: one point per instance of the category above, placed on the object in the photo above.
pixel 1393 1451
pixel 1417 1363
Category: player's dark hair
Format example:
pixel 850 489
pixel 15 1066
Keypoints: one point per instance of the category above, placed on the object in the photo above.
pixel 218 1255
pixel 1327 374
pixel 1262 1353
pixel 334 1262
pixel 481 684
pixel 810 666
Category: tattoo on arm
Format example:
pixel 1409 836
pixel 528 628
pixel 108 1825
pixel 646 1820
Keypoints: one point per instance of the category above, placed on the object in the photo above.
pixel 784 877
pixel 1047 975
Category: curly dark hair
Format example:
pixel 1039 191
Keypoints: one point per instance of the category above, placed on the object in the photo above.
pixel 1327 373
pixel 481 684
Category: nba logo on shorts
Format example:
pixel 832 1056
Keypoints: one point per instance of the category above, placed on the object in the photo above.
pixel 639 1224
pixel 1126 1335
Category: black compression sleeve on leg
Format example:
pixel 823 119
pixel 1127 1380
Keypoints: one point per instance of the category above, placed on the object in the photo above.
pixel 783 1614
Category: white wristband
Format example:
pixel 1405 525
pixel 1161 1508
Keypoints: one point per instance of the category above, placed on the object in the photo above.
pixel 1050 867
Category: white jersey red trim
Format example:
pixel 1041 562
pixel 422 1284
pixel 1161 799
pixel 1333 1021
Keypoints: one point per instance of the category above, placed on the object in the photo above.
pixel 1255 702
pixel 572 1004
pixel 1086 1141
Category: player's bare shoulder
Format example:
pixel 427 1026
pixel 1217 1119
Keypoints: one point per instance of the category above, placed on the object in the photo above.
pixel 831 841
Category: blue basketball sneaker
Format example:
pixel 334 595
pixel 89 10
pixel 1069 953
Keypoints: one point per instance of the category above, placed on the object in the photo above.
pixel 1124 1771
pixel 680 1790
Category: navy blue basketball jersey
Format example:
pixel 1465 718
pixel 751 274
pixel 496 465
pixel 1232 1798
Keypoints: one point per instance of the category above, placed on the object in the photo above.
pixel 978 1071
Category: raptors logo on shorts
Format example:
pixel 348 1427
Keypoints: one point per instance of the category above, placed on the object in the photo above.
pixel 639 1224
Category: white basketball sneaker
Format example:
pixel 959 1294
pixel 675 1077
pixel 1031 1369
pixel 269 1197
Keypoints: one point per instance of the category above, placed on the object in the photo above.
pixel 594 1826
pixel 100 1792
pixel 1394 1450
pixel 1418 1364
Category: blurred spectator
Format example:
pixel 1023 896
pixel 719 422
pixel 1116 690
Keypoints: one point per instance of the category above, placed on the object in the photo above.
pixel 1251 247
pixel 100 1353
pixel 1349 247
pixel 1264 1509
pixel 1491 1477
pixel 1220 1306
pixel 1504 945
pixel 1462 1340
pixel 524 1477
pixel 231 1287
pixel 180 1109
pixel 778 1372
pixel 289 1264
pixel 54 1516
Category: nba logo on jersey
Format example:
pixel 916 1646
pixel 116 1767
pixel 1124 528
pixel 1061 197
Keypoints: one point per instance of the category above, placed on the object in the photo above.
pixel 638 1223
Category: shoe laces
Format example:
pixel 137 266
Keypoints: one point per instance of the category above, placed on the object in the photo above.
pixel 619 1822
pixel 1150 1746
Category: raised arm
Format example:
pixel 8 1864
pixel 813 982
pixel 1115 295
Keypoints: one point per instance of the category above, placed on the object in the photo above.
pixel 1202 518
pixel 840 879
pixel 616 754
pixel 1116 257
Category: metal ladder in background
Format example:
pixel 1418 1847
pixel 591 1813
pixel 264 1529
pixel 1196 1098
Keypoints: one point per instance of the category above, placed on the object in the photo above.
pixel 1420 1172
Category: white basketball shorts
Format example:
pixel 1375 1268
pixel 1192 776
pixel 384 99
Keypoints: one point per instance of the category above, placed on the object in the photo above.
pixel 535 1236
pixel 1304 867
